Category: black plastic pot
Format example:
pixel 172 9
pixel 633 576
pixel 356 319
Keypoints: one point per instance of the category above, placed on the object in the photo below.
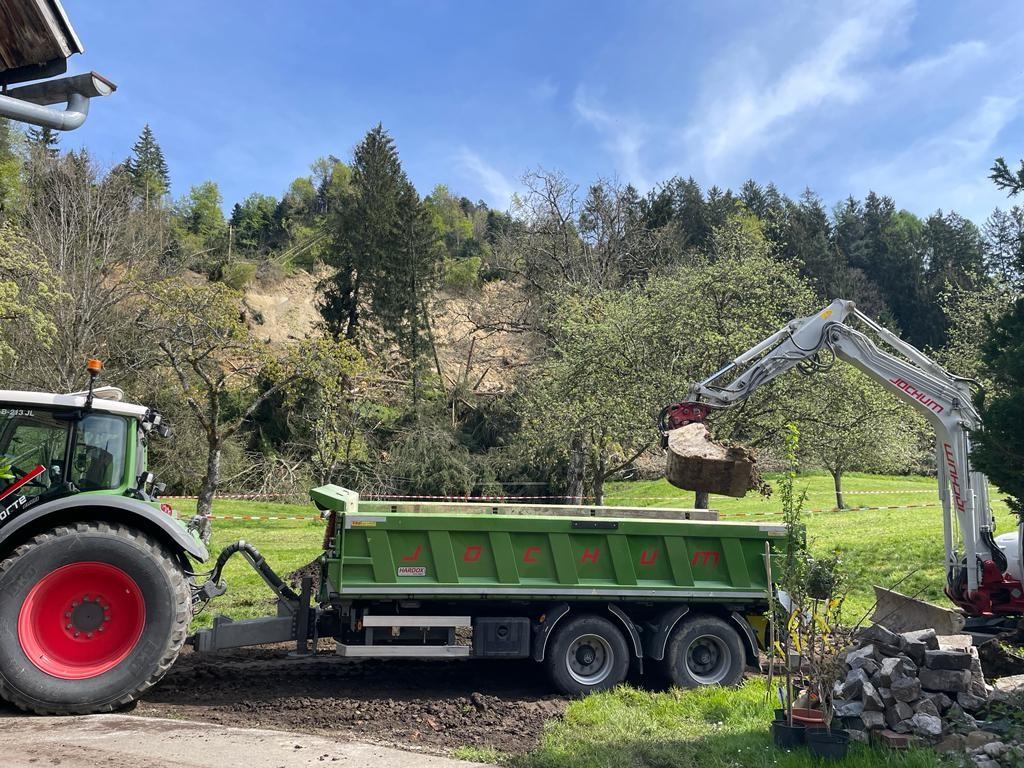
pixel 831 745
pixel 780 715
pixel 787 736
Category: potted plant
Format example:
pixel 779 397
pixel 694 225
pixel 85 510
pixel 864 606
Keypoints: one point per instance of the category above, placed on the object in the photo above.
pixel 826 638
pixel 787 603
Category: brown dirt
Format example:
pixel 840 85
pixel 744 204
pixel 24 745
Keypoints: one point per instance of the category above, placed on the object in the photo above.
pixel 434 706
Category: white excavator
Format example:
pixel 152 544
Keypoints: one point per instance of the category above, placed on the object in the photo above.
pixel 983 572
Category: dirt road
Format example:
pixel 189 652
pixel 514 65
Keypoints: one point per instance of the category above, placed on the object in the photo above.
pixel 124 741
pixel 423 705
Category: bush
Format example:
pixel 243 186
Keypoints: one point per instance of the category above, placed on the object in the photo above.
pixel 238 274
pixel 462 274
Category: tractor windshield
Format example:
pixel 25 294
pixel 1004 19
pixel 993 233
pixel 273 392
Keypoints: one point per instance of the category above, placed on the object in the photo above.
pixel 34 453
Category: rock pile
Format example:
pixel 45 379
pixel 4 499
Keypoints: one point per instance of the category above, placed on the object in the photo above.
pixel 919 686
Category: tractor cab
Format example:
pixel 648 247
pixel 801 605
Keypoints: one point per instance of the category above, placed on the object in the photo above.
pixel 88 442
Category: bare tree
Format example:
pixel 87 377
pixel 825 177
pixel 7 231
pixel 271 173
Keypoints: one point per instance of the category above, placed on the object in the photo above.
pixel 87 228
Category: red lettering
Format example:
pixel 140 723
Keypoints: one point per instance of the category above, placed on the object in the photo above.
pixel 528 555
pixel 954 477
pixel 472 553
pixel 706 557
pixel 591 555
pixel 917 394
pixel 414 556
pixel 648 557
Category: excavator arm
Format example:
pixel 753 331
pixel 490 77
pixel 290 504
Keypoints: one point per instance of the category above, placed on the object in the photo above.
pixel 983 575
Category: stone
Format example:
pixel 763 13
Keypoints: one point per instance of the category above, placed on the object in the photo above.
pixel 995 749
pixel 871 698
pixel 903 726
pixel 895 740
pixel 955 642
pixel 926 707
pixel 925 636
pixel 917 642
pixel 876 633
pixel 941 701
pixel 850 708
pixel 859 735
pixel 887 698
pixel 983 761
pixel 926 725
pixel 889 670
pixel 976 739
pixel 952 744
pixel 853 684
pixel 952 680
pixel 904 710
pixel 908 667
pixel 906 689
pixel 872 719
pixel 884 650
pixel 1007 689
pixel 870 666
pixel 859 654
pixel 969 701
pixel 978 687
pixel 947 659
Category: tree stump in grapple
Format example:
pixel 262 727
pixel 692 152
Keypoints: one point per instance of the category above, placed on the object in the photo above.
pixel 695 462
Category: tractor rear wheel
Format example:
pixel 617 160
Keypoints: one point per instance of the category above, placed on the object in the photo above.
pixel 91 616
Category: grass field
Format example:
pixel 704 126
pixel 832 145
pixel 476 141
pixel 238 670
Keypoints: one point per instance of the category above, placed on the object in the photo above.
pixel 877 546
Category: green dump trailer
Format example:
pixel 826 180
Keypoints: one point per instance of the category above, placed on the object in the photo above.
pixel 589 592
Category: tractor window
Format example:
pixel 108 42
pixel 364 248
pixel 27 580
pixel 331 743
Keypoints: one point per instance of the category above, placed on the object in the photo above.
pixel 99 457
pixel 29 440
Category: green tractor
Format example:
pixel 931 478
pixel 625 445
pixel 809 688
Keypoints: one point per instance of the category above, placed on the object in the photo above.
pixel 94 589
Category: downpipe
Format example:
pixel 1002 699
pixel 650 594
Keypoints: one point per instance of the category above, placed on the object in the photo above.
pixel 67 119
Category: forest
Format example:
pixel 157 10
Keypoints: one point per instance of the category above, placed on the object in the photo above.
pixel 466 351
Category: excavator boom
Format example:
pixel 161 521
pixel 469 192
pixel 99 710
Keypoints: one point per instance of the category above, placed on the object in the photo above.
pixel 983 575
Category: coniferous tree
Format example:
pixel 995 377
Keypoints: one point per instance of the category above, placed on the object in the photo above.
pixel 998 448
pixel 45 140
pixel 386 252
pixel 148 169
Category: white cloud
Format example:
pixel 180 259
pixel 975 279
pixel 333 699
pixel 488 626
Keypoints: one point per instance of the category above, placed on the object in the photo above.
pixel 624 137
pixel 948 169
pixel 739 117
pixel 950 62
pixel 495 184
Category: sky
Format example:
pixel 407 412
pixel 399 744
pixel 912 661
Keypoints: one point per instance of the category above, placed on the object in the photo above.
pixel 909 99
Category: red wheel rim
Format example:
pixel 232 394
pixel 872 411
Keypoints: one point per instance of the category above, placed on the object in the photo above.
pixel 81 620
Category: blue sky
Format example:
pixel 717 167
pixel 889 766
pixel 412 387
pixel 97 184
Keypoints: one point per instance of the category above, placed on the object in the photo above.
pixel 911 99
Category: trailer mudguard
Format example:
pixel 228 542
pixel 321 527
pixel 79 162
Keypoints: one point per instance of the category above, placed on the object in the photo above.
pixel 123 508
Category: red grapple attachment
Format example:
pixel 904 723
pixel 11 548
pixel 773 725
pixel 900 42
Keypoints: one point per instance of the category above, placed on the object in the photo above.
pixel 679 415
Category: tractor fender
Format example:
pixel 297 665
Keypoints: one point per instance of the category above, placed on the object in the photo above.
pixel 120 508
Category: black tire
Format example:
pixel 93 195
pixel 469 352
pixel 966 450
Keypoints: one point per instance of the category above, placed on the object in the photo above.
pixel 157 619
pixel 704 650
pixel 584 639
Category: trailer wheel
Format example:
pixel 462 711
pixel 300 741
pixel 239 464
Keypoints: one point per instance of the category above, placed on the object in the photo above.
pixel 588 653
pixel 705 650
pixel 91 616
